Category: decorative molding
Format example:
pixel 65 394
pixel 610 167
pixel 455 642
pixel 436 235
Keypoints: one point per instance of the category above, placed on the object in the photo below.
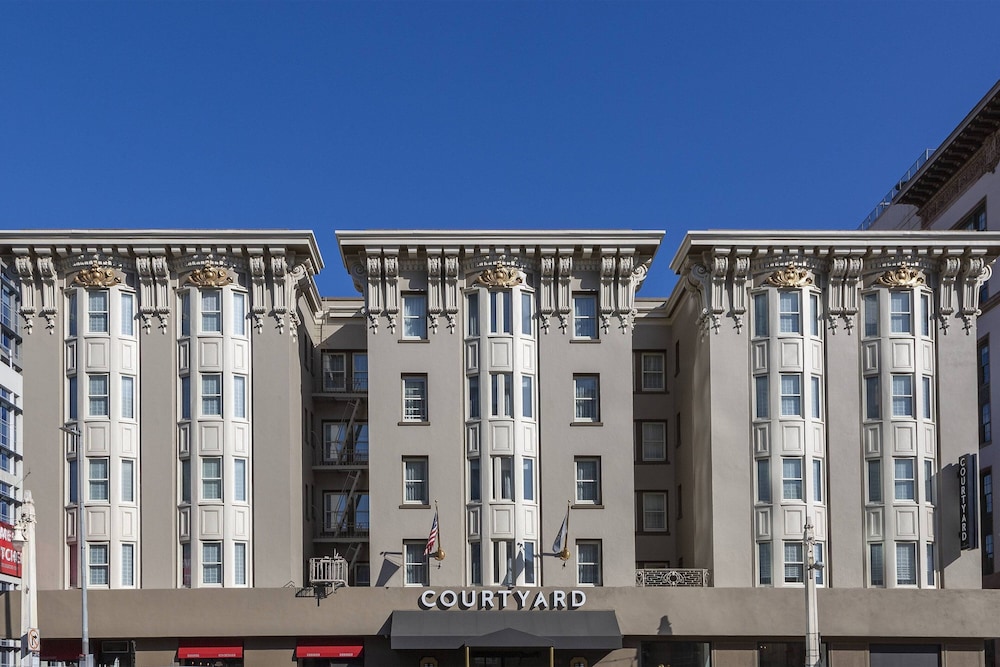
pixel 161 286
pixel 902 276
pixel 279 305
pixel 500 277
pixel 451 291
pixel 947 297
pixel 626 294
pixel 842 292
pixel 698 282
pixel 741 271
pixel 25 272
pixel 47 273
pixel 391 268
pixel 373 291
pixel 97 276
pixel 564 296
pixel 434 308
pixel 793 276
pixel 257 307
pixel 975 271
pixel 607 299
pixel 147 307
pixel 210 275
pixel 547 299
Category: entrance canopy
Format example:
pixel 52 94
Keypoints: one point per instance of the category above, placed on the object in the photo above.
pixel 596 630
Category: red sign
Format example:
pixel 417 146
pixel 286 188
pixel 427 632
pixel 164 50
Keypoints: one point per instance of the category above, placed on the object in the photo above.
pixel 10 558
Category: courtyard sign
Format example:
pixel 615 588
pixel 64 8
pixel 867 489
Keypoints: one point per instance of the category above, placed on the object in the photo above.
pixel 503 599
pixel 968 497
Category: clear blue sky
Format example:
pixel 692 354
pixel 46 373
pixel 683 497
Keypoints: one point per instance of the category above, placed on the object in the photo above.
pixel 350 115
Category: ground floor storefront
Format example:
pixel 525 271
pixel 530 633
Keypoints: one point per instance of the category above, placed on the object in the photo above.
pixel 613 627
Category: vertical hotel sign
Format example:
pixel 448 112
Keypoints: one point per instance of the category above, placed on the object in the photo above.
pixel 968 501
pixel 10 558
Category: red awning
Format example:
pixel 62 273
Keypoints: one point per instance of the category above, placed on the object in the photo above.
pixel 65 650
pixel 328 651
pixel 187 652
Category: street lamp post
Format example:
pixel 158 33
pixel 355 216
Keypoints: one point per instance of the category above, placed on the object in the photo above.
pixel 813 658
pixel 81 540
pixel 24 543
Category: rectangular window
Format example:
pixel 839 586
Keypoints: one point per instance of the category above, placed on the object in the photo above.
pixel 527 397
pixel 928 481
pixel 359 371
pixel 906 564
pixel 475 481
pixel 74 480
pixel 211 394
pixel 791 479
pixel 985 416
pixel 240 564
pixel 588 561
pixel 415 398
pixel 761 397
pixel 501 400
pixel 988 492
pixel 789 312
pixel 586 398
pixel 239 397
pixel 128 481
pixel 817 397
pixel 654 512
pixel 128 313
pixel 585 316
pixel 930 564
pixel 98 400
pixel 814 315
pixel 870 301
pixel 763 480
pixel 653 445
pixel 500 315
pixel 334 512
pixel 900 313
pixel 926 314
pixel 239 314
pixel 503 562
pixel 473 312
pixel 185 309
pixel 873 399
pixel 526 314
pixel 211 311
pixel 503 478
pixel 528 474
pixel 186 565
pixel 415 564
pixel 653 371
pixel 415 490
pixel 764 564
pixel 98 482
pixel 98 565
pixel 72 399
pixel 476 563
pixel 760 328
pixel 529 562
pixel 128 565
pixel 474 397
pixel 97 311
pixel 128 397
pixel 927 399
pixel 71 315
pixel 211 478
pixel 211 562
pixel 794 563
pixel 903 479
pixel 186 480
pixel 415 316
pixel 902 395
pixel 791 395
pixel 588 481
pixel 818 558
pixel 817 466
pixel 185 397
pixel 334 371
pixel 240 480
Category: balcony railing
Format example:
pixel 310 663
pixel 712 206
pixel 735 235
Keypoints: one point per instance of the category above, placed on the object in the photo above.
pixel 334 454
pixel 328 571
pixel 343 529
pixel 672 577
pixel 340 383
pixel 886 201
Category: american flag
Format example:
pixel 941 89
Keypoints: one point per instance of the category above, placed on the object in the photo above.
pixel 432 538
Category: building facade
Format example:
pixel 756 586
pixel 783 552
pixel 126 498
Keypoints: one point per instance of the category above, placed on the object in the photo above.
pixel 498 454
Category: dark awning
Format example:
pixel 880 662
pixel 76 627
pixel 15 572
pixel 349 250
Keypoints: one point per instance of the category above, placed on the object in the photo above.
pixel 583 630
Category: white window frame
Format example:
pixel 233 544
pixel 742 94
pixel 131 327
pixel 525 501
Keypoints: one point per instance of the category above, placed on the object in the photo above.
pixel 761 326
pixel 414 398
pixel 654 512
pixel 789 312
pixel 900 312
pixel 211 563
pixel 211 314
pixel 873 475
pixel 128 565
pixel 764 494
pixel 653 379
pixel 503 478
pixel 127 302
pixel 211 482
pixel 588 563
pixel 876 565
pixel 240 480
pixel 416 486
pixel 359 371
pixel 98 314
pixel 527 397
pixel 415 565
pixel 128 480
pixel 902 395
pixel 653 441
pixel 334 378
pixel 906 550
pixel 791 394
pixel 98 479
pixel 587 398
pixel 794 559
pixel 501 312
pixel 585 317
pixel 501 395
pixel 904 482
pixel 588 480
pixel 239 313
pixel 414 316
pixel 99 564
pixel 240 397
pixel 762 397
pixel 128 396
pixel 791 479
pixel 211 397
pixel 98 395
pixel 240 564
pixel 870 324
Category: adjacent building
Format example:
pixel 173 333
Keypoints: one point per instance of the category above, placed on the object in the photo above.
pixel 497 453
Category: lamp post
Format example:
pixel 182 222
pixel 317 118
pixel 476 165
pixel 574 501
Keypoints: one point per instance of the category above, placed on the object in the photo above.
pixel 813 658
pixel 81 540
pixel 24 542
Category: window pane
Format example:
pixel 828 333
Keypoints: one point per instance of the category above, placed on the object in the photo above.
pixel 764 563
pixel 128 565
pixel 211 394
pixel 526 314
pixel 904 480
pixel 239 397
pixel 873 400
pixel 788 309
pixel 239 479
pixel 474 397
pixel 128 314
pixel 239 314
pixel 791 395
pixel 586 397
pixel 588 558
pixel 817 396
pixel 97 311
pixel 473 306
pixel 527 397
pixel 794 569
pixel 817 466
pixel 475 480
pixel 906 564
pixel 764 480
pixel 899 312
pixel 902 396
pixel 211 563
pixel 128 480
pixel 588 480
pixel 760 328
pixel 585 316
pixel 791 473
pixel 654 441
pixel 871 314
pixel 240 564
pixel 415 480
pixel 211 311
pixel 761 396
pixel 128 397
pixel 415 316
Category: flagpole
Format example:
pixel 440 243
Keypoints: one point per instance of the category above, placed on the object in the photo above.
pixel 439 554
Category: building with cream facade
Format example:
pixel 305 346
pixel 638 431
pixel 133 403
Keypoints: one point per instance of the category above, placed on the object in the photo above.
pixel 612 479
